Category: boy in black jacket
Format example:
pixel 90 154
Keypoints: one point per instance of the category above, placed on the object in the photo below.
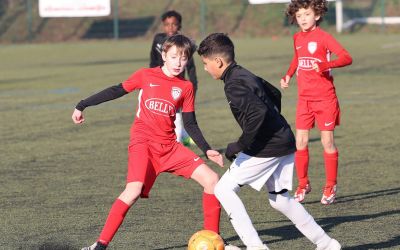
pixel 264 153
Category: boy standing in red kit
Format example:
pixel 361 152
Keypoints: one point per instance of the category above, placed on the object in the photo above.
pixel 317 100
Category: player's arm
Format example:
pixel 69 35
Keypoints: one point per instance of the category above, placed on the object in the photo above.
pixel 191 70
pixel 105 95
pixel 343 56
pixel 155 53
pixel 242 98
pixel 192 128
pixel 290 72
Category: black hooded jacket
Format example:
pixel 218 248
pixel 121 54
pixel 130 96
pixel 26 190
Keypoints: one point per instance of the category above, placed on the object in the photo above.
pixel 265 132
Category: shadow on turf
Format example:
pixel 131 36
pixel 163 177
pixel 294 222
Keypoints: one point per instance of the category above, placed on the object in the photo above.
pixel 55 246
pixel 289 232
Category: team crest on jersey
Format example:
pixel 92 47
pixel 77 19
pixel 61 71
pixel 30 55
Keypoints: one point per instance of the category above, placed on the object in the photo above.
pixel 176 92
pixel 312 47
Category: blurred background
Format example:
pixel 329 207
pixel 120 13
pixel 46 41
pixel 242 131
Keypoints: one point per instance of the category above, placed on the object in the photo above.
pixel 21 20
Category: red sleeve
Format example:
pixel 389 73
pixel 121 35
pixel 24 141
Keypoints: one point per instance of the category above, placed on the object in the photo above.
pixel 293 65
pixel 134 81
pixel 343 56
pixel 188 101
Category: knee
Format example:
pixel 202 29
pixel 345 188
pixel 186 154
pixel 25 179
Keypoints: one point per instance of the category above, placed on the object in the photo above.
pixel 301 142
pixel 224 186
pixel 328 144
pixel 279 202
pixel 131 193
pixel 211 181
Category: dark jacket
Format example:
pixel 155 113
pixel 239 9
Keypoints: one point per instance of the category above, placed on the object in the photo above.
pixel 265 132
pixel 156 58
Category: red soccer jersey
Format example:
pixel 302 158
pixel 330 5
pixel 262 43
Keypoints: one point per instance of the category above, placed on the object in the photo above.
pixel 160 97
pixel 311 47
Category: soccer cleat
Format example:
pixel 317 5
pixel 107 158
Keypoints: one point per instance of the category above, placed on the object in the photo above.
pixel 95 246
pixel 329 195
pixel 333 245
pixel 301 192
pixel 188 141
pixel 229 246
pixel 263 247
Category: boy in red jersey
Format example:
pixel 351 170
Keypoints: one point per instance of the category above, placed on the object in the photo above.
pixel 317 100
pixel 153 148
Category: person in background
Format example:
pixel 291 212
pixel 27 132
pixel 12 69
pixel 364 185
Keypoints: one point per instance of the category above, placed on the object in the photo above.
pixel 317 100
pixel 172 24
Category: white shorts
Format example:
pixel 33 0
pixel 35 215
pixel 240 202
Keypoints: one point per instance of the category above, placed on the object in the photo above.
pixel 276 173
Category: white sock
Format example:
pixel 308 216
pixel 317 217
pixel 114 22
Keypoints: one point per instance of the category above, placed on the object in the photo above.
pixel 178 126
pixel 226 192
pixel 304 222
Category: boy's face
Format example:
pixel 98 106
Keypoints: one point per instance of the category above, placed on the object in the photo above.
pixel 174 61
pixel 306 19
pixel 171 26
pixel 214 66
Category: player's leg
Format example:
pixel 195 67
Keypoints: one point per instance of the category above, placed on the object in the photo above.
pixel 301 162
pixel 331 158
pixel 207 178
pixel 303 221
pixel 181 134
pixel 226 192
pixel 245 170
pixel 328 117
pixel 117 214
pixel 304 122
pixel 140 178
pixel 278 185
pixel 178 126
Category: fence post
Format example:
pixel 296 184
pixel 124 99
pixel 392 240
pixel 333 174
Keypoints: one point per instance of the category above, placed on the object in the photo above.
pixel 29 19
pixel 383 15
pixel 339 16
pixel 203 10
pixel 116 20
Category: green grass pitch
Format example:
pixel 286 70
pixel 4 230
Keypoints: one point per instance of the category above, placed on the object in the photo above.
pixel 58 180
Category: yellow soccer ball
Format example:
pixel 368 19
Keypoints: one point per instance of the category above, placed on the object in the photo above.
pixel 206 240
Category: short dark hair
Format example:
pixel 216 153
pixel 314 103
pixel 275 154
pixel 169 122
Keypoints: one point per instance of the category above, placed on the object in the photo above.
pixel 217 44
pixel 320 7
pixel 172 13
pixel 182 43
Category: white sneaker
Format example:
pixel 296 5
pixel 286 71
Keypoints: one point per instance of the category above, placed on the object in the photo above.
pixel 231 247
pixel 263 247
pixel 333 245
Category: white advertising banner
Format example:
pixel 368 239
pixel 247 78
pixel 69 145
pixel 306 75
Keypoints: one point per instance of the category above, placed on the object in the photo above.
pixel 74 8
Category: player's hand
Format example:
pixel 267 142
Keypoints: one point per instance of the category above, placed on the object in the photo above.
pixel 231 150
pixel 285 82
pixel 315 67
pixel 77 117
pixel 216 157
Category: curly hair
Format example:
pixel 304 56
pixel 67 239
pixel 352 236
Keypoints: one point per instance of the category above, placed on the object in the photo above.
pixel 320 7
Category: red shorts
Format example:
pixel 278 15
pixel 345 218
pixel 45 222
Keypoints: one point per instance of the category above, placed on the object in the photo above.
pixel 147 159
pixel 326 113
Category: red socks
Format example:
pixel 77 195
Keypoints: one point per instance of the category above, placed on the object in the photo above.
pixel 301 159
pixel 331 168
pixel 212 211
pixel 114 220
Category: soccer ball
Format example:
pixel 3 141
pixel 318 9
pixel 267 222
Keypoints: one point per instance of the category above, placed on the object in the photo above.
pixel 206 240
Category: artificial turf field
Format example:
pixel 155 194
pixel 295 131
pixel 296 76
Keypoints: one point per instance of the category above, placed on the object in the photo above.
pixel 58 180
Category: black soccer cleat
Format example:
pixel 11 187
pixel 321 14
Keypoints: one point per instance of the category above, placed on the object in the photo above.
pixel 96 246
